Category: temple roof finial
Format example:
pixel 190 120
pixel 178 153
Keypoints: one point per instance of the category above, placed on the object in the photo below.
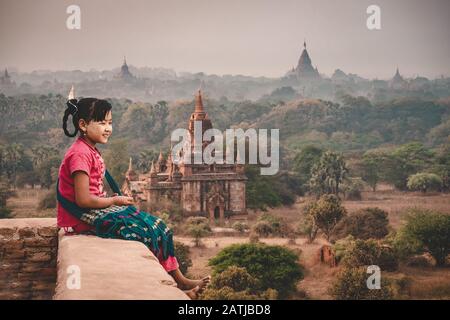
pixel 71 93
pixel 152 168
pixel 161 157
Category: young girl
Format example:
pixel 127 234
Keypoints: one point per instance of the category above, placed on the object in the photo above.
pixel 83 206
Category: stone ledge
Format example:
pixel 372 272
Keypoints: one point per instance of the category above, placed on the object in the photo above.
pixel 112 269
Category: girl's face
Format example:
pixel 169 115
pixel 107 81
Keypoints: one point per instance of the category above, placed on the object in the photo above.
pixel 98 131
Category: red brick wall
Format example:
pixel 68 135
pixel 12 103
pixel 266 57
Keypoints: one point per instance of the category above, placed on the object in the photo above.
pixel 28 254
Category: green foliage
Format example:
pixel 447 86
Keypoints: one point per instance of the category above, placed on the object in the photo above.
pixel 351 284
pixel 307 226
pixel 371 168
pixel 263 228
pixel 182 253
pixel 441 166
pixel 5 193
pixel 235 283
pixel 352 189
pixel 271 225
pixel 341 246
pixel 198 227
pixel 304 161
pixel 268 191
pixel 370 252
pixel 144 121
pixel 237 278
pixel 117 159
pixel 405 161
pixel 47 171
pixel 328 174
pixel 364 224
pixel 281 276
pixel 424 182
pixel 326 213
pixel 425 230
pixel 240 226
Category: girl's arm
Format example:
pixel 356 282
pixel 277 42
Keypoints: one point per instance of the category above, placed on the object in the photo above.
pixel 86 200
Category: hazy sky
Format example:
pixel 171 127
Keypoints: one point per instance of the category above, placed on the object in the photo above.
pixel 250 37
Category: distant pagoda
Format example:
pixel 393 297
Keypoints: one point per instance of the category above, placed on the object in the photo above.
pixel 124 73
pixel 398 82
pixel 6 79
pixel 304 69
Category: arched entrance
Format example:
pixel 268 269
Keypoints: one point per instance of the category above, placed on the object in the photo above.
pixel 217 212
pixel 215 204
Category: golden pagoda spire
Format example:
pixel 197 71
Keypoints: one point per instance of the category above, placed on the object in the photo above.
pixel 199 102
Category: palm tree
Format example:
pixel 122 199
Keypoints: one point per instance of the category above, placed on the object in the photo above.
pixel 145 159
pixel 13 155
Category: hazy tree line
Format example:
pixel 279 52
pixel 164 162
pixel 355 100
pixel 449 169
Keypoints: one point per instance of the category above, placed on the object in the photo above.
pixel 327 147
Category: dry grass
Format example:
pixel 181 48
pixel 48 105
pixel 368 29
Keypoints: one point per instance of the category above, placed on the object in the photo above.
pixel 394 202
pixel 25 205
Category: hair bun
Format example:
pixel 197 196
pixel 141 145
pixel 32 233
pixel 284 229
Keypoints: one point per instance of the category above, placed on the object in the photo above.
pixel 72 105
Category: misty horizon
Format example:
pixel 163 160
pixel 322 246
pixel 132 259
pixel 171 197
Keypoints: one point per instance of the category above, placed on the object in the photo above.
pixel 264 40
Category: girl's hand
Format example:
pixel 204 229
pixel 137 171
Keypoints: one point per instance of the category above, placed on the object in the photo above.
pixel 122 200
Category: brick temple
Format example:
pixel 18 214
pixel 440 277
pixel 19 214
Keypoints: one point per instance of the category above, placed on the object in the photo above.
pixel 216 191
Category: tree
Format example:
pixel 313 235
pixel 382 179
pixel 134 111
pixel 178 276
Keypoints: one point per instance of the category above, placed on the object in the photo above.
pixel 307 226
pixel 117 159
pixel 235 283
pixel 305 160
pixel 47 171
pixel 371 171
pixel 198 227
pixel 425 230
pixel 284 271
pixel 364 224
pixel 328 174
pixel 326 213
pixel 404 161
pixel 145 160
pixel 12 158
pixel 259 191
pixel 424 182
pixel 369 252
pixel 351 284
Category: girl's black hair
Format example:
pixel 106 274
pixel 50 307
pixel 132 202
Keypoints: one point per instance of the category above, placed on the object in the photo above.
pixel 87 109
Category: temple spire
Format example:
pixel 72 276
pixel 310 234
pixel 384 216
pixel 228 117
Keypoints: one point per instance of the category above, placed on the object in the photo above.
pixel 130 168
pixel 304 44
pixel 124 60
pixel 199 102
pixel 152 168
pixel 160 157
pixel 71 95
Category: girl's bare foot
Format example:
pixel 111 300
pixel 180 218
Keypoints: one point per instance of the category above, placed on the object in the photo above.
pixel 193 293
pixel 188 284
